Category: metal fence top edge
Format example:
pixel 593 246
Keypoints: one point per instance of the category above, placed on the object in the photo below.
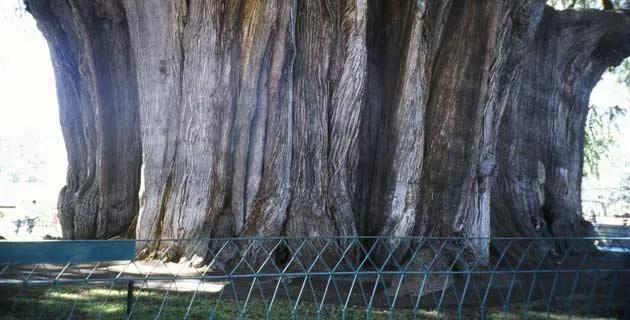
pixel 381 238
pixel 112 241
pixel 331 238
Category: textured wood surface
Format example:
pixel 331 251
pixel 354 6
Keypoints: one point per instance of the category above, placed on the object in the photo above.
pixel 327 117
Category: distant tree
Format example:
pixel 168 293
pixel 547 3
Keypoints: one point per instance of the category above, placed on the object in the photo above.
pixel 623 72
pixel 622 195
pixel 601 135
pixel 15 176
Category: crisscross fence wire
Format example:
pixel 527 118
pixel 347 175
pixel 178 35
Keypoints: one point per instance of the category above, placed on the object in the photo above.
pixel 333 278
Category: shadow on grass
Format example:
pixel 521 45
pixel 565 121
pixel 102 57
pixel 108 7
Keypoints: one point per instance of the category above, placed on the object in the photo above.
pixel 109 302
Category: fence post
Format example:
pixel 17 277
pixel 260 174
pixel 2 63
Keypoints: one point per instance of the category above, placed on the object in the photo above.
pixel 129 299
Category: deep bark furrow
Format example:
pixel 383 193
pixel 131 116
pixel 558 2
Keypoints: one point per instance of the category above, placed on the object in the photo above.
pixel 407 136
pixel 386 106
pixel 345 110
pixel 251 106
pixel 453 118
pixel 268 208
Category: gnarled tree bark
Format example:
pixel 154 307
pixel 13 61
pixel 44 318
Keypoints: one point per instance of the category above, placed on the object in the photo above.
pixel 327 117
pixel 97 90
pixel 538 189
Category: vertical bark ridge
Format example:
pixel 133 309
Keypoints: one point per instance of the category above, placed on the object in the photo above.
pixel 345 109
pixel 202 163
pixel 267 211
pixel 75 125
pixel 156 29
pixel 391 156
pixel 328 83
pixel 315 31
pixel 452 111
pixel 514 27
pixel 251 107
pixel 101 200
pixel 268 208
pixel 406 130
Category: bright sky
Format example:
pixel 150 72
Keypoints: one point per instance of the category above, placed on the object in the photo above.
pixel 28 103
pixel 29 110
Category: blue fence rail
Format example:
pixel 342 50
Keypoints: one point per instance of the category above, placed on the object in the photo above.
pixel 321 278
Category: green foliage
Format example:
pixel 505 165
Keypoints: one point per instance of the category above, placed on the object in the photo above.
pixel 584 4
pixel 576 4
pixel 623 72
pixel 22 160
pixel 622 195
pixel 600 129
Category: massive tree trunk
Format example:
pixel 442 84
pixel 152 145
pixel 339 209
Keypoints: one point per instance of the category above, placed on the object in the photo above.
pixel 326 117
pixel 538 189
pixel 97 90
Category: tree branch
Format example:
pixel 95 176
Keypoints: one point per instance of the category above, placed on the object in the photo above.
pixel 605 35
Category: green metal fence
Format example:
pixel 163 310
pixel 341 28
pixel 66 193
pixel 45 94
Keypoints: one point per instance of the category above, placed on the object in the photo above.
pixel 330 278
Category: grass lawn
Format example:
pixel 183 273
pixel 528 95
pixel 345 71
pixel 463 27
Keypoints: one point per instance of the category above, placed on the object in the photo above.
pixel 104 302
